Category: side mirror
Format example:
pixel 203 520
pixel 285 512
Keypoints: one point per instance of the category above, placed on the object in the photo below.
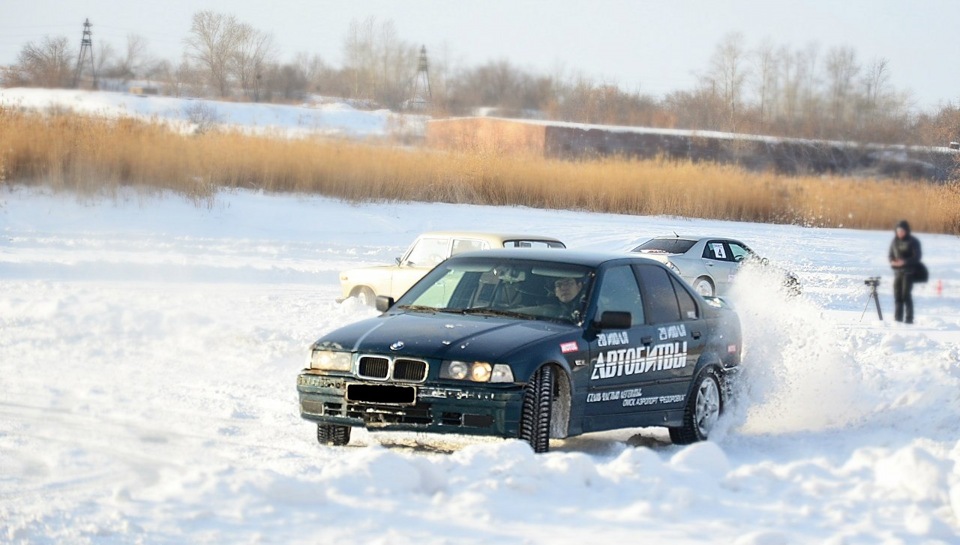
pixel 384 303
pixel 397 260
pixel 613 319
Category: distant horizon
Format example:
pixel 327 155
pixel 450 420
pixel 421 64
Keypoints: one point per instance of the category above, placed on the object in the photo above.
pixel 651 48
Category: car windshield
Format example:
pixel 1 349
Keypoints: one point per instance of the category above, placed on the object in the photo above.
pixel 666 246
pixel 516 288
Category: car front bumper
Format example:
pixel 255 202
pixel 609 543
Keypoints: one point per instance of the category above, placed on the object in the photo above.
pixel 468 408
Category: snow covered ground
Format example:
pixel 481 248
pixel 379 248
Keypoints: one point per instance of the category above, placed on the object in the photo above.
pixel 330 119
pixel 148 358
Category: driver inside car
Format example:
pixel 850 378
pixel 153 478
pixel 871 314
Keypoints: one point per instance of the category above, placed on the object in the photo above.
pixel 568 294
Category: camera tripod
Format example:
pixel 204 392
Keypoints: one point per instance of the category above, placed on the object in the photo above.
pixel 873 282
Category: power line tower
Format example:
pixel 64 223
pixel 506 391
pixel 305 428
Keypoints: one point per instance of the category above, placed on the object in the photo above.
pixel 86 48
pixel 422 96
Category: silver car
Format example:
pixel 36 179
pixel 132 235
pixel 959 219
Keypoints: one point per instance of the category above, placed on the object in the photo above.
pixel 709 264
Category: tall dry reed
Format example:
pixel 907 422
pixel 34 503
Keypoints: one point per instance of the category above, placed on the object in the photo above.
pixel 90 154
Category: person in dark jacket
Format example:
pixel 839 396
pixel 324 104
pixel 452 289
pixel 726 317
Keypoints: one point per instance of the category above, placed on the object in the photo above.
pixel 904 257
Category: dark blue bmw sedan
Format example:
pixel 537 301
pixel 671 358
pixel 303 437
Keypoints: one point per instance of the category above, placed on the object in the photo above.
pixel 529 344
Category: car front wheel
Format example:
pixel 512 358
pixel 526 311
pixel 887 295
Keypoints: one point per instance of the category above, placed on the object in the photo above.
pixel 333 434
pixel 702 411
pixel 536 412
pixel 366 296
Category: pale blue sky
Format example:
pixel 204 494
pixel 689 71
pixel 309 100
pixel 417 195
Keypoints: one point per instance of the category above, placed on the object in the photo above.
pixel 653 46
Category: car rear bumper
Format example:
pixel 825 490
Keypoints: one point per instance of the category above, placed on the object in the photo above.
pixel 437 408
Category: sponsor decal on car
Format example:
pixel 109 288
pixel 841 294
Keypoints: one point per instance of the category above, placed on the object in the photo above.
pixel 566 348
pixel 637 360
pixel 614 338
pixel 632 397
pixel 672 332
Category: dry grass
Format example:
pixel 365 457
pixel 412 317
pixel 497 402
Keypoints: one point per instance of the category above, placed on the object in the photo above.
pixel 89 154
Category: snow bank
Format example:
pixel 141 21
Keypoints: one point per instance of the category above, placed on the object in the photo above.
pixel 149 350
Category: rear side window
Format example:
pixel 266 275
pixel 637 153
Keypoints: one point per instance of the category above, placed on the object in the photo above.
pixel 619 292
pixel 461 245
pixel 688 307
pixel 717 250
pixel 659 297
pixel 532 244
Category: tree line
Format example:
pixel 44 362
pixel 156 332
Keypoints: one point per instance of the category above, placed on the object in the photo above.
pixel 769 89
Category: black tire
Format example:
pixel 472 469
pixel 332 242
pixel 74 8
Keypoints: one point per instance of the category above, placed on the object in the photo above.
pixel 704 406
pixel 537 407
pixel 332 434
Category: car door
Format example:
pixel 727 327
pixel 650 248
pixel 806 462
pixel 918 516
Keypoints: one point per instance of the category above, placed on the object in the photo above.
pixel 424 254
pixel 719 262
pixel 740 255
pixel 617 355
pixel 673 314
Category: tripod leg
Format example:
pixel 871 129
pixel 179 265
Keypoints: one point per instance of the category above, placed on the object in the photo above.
pixel 876 300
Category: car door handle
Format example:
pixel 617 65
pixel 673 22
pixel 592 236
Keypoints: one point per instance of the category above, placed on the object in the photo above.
pixel 695 334
pixel 646 340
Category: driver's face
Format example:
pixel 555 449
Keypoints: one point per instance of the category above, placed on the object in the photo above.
pixel 566 289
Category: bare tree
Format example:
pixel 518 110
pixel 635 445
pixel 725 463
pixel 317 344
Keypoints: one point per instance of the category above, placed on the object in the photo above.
pixel 47 64
pixel 800 100
pixel 134 60
pixel 104 59
pixel 358 52
pixel 841 71
pixel 288 81
pixel 254 51
pixel 381 65
pixel 727 75
pixel 766 71
pixel 212 44
pixel 876 79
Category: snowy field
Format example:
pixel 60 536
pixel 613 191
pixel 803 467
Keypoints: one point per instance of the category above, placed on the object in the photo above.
pixel 328 119
pixel 149 350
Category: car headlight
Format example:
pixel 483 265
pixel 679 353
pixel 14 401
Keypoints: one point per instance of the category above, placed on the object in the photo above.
pixel 330 360
pixel 476 371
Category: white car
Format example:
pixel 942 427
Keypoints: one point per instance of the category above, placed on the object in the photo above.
pixel 708 264
pixel 428 250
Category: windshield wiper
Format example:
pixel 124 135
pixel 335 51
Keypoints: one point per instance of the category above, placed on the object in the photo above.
pixel 497 312
pixel 419 308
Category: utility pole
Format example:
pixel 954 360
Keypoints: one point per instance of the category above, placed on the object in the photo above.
pixel 422 96
pixel 86 48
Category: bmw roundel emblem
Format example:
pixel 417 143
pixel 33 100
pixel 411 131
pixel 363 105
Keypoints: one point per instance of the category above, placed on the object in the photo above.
pixel 397 346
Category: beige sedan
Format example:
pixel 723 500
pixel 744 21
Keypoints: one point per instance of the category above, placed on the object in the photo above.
pixel 428 250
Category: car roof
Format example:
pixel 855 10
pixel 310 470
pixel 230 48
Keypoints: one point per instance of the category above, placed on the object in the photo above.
pixel 573 257
pixel 694 238
pixel 488 236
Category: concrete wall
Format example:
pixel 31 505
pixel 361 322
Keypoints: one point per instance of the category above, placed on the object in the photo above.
pixel 782 155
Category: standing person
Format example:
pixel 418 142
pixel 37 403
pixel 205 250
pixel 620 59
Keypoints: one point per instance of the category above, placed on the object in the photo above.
pixel 904 257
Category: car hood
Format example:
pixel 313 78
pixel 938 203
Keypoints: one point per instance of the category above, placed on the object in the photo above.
pixel 443 336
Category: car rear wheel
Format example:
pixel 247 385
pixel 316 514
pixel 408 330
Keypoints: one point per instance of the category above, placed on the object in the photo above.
pixel 333 434
pixel 537 405
pixel 702 410
pixel 703 286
